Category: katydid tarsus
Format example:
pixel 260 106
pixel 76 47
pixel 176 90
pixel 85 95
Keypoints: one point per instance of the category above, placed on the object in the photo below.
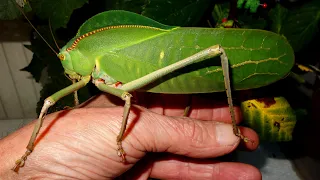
pixel 143 55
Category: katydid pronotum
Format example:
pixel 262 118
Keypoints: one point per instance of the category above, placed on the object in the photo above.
pixel 143 55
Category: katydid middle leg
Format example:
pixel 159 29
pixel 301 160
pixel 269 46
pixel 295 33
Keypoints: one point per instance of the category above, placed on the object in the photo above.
pixel 75 95
pixel 48 103
pixel 127 98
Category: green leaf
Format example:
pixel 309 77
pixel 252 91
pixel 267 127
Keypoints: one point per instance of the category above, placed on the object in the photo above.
pixel 272 118
pixel 176 12
pixel 58 11
pixel 128 5
pixel 220 11
pixel 299 25
pixel 248 21
pixel 10 11
pixel 278 16
pixel 249 4
pixel 245 19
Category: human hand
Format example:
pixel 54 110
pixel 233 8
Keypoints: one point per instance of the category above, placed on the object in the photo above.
pixel 81 143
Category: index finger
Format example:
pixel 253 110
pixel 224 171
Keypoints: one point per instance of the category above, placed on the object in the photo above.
pixel 201 107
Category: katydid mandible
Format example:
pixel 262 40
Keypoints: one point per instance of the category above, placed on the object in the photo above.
pixel 143 55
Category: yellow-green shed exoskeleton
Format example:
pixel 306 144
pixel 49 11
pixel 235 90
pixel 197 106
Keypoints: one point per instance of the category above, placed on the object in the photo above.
pixel 143 55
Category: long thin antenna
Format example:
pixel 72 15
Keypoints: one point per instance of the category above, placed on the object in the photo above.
pixel 53 35
pixel 21 10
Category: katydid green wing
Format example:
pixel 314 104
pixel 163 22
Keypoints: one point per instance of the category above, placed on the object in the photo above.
pixel 118 17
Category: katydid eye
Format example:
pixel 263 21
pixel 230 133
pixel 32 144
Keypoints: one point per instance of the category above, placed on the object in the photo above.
pixel 61 57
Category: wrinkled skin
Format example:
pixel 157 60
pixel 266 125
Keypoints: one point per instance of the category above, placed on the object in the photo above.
pixel 159 142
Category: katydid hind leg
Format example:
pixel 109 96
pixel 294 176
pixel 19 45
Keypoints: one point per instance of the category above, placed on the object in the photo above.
pixel 205 54
pixel 227 82
pixel 47 104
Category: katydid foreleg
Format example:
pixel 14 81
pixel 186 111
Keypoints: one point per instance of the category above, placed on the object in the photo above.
pixel 48 103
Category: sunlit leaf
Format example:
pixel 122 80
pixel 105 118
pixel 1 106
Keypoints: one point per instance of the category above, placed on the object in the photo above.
pixel 272 118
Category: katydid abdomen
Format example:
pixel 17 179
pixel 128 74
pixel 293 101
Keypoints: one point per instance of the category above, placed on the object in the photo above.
pixel 257 58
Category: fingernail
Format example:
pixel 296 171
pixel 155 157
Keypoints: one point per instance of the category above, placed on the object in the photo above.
pixel 225 135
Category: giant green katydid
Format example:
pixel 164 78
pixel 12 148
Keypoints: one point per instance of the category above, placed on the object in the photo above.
pixel 143 55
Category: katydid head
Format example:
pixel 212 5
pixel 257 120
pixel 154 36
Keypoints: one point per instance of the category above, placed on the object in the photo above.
pixel 75 63
pixel 66 62
pixel 63 55
pixel 67 65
